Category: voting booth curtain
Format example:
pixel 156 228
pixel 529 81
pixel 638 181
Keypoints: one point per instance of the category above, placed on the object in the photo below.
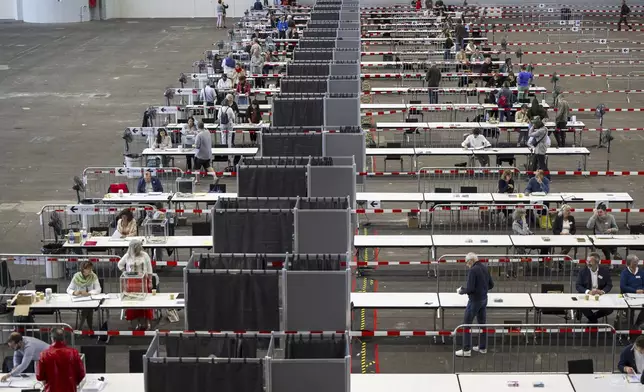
pixel 228 300
pixel 271 181
pixel 235 261
pixel 300 85
pixel 285 144
pixel 317 262
pixel 315 55
pixel 307 68
pixel 301 111
pixel 252 231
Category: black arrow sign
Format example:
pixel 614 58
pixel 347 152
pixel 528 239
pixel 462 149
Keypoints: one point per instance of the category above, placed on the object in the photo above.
pixel 74 209
pixel 121 171
pixel 178 91
pixel 163 110
pixel 374 204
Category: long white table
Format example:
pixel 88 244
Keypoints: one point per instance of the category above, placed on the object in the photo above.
pixel 467 125
pixel 467 240
pixel 173 242
pixel 158 301
pixel 603 382
pixel 617 240
pixel 60 301
pixel 575 301
pixel 393 241
pixel 480 90
pixel 383 300
pixel 129 198
pixel 445 107
pixel 516 301
pixel 404 383
pixel 246 151
pixel 474 382
pixel 114 382
pixel 551 240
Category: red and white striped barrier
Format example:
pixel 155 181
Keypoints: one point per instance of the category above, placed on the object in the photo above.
pixel 366 53
pixel 480 208
pixel 506 129
pixel 581 173
pixel 439 109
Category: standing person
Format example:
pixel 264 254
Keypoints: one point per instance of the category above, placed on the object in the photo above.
pixel 188 134
pixel 623 13
pixel 256 48
pixel 256 68
pixel 631 281
pixel 523 82
pixel 429 4
pixel 564 224
pixel 522 117
pixel 419 5
pixel 224 85
pixel 203 153
pixel 594 280
pixel 476 141
pixel 208 94
pixel 61 368
pixel 226 118
pixel 561 120
pixel 254 116
pixel 505 103
pixel 479 282
pixel 219 11
pixel 282 26
pixel 126 224
pixel 461 33
pixel 223 14
pixel 433 79
pixel 85 283
pixel 539 144
pixel 603 223
pixel 26 350
pixel 138 261
pixel 449 43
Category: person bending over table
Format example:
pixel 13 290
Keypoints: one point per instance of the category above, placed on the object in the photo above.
pixel 83 284
pixel 631 281
pixel 631 359
pixel 594 280
pixel 476 141
pixel 148 184
pixel 564 224
pixel 479 282
pixel 61 368
pixel 138 261
pixel 603 223
pixel 126 224
pixel 26 350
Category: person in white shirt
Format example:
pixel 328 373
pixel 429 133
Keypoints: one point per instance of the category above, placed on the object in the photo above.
pixel 224 85
pixel 476 141
pixel 226 117
pixel 84 284
pixel 594 280
pixel 208 95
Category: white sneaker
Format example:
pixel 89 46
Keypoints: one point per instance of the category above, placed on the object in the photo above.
pixel 463 353
pixel 478 350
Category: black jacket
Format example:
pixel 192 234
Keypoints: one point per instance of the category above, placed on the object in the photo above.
pixel 584 281
pixel 557 225
pixel 624 10
pixel 433 77
pixel 627 358
pixel 504 188
pixel 479 282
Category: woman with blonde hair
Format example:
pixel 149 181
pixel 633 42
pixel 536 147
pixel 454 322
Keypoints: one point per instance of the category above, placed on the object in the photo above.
pixel 564 224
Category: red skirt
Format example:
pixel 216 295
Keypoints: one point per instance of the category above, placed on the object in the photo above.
pixel 134 286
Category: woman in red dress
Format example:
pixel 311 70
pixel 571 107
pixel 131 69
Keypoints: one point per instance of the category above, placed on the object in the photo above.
pixel 138 261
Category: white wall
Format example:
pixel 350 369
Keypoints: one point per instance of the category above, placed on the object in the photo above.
pixel 54 11
pixel 172 8
pixel 8 9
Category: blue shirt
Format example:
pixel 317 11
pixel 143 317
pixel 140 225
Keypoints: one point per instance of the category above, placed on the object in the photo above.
pixel 479 282
pixel 631 282
pixel 282 25
pixel 524 78
pixel 25 356
pixel 534 186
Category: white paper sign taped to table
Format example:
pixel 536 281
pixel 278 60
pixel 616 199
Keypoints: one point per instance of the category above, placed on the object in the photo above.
pixel 562 22
pixel 373 203
pixel 602 41
pixel 551 10
pixel 542 6
pixel 572 22
pixel 625 50
pixel 575 29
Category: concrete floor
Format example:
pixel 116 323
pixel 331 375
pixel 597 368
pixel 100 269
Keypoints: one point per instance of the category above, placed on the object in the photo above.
pixel 68 91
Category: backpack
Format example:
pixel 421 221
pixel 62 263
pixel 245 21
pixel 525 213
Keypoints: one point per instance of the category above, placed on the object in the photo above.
pixel 223 117
pixel 503 101
pixel 230 62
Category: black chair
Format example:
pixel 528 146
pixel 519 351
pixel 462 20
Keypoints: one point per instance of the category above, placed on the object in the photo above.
pixel 469 189
pixel 95 358
pixel 554 288
pixel 220 158
pixel 581 366
pixel 5 279
pixel 394 157
pixel 136 361
pixel 217 188
pixel 201 228
pixel 416 112
pixel 636 229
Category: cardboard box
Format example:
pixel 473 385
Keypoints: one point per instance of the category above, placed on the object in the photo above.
pixel 413 220
pixel 22 302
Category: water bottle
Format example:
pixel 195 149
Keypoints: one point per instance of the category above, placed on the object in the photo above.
pixel 84 235
pixel 70 236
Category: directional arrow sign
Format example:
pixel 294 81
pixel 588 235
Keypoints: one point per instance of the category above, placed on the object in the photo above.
pixel 374 203
pixel 575 29
pixel 551 10
pixel 542 6
pixel 562 22
pixel 120 171
pixel 625 50
pixel 80 209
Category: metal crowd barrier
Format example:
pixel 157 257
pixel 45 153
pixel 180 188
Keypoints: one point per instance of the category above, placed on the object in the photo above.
pixel 464 180
pixel 536 348
pixel 97 180
pixel 41 331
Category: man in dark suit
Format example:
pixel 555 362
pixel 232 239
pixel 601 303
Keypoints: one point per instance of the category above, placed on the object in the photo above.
pixel 594 280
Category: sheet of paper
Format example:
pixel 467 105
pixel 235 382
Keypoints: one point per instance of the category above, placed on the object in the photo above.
pixel 77 298
pixel 633 378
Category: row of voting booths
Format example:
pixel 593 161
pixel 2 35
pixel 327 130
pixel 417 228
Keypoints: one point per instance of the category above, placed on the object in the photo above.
pixel 282 248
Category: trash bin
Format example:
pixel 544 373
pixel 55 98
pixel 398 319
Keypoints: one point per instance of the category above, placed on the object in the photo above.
pixel 54 269
pixel 132 160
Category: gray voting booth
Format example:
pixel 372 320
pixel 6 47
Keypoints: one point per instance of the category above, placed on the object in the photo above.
pixel 270 270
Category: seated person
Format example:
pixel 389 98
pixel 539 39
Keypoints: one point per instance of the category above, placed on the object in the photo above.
pixel 243 89
pixel 631 356
pixel 476 141
pixel 522 117
pixel 148 184
pixel 506 183
pixel 85 283
pixel 258 6
pixel 603 223
pixel 126 224
pixel 538 183
pixel 564 224
pixel 594 280
pixel 471 47
pixel 477 56
pixel 631 281
pixel 162 140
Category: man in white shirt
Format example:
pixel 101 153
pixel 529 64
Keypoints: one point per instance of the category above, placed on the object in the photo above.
pixel 476 141
pixel 593 281
pixel 226 118
pixel 209 94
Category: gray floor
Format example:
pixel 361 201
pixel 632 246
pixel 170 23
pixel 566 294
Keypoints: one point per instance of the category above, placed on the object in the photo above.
pixel 70 90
